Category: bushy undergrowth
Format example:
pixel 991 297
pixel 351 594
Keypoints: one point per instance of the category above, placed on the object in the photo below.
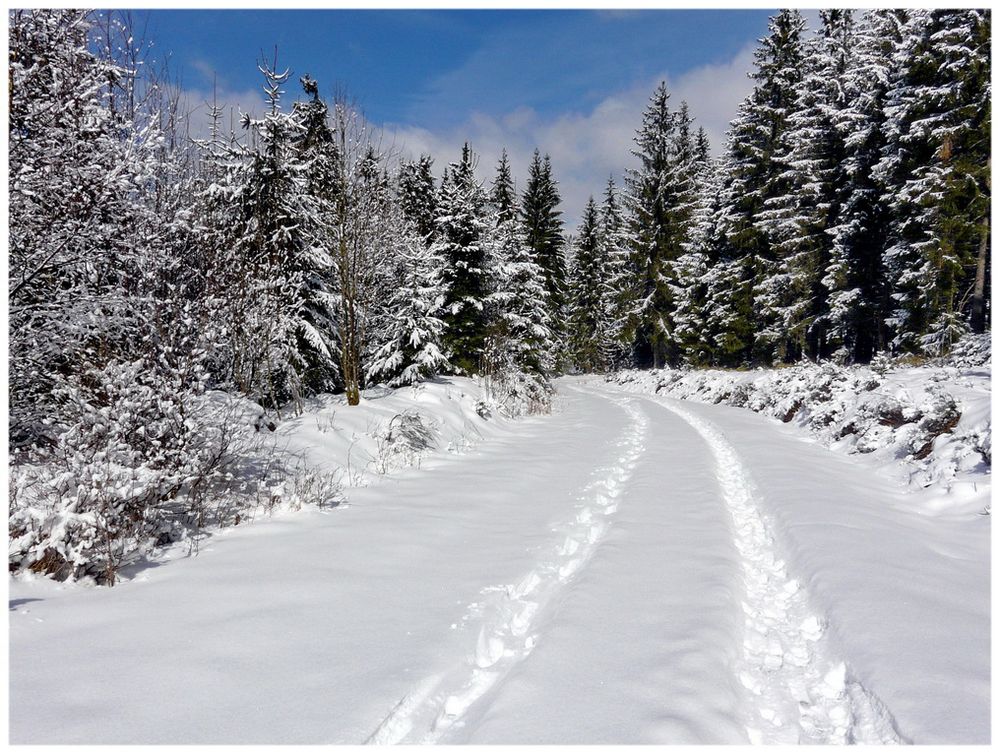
pixel 135 462
pixel 516 393
pixel 404 440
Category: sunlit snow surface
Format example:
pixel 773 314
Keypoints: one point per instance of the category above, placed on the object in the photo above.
pixel 631 569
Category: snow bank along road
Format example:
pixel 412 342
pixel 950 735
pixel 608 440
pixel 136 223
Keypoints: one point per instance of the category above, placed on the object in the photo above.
pixel 628 570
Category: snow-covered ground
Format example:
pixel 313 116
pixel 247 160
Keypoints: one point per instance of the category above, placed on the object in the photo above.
pixel 630 569
pixel 390 429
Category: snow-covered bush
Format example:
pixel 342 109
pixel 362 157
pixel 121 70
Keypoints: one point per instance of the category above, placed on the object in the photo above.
pixel 406 437
pixel 510 387
pixel 933 417
pixel 971 351
pixel 516 393
pixel 134 454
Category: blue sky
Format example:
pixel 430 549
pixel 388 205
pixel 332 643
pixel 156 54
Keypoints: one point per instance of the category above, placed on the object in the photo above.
pixel 572 83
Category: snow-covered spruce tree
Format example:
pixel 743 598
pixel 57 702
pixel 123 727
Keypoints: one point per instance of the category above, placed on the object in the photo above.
pixel 693 172
pixel 281 261
pixel 410 348
pixel 219 277
pixel 460 242
pixel 316 153
pixel 503 195
pixel 519 337
pixel 811 155
pixel 660 199
pixel 935 168
pixel 963 40
pixel 619 286
pixel 543 231
pixel 693 267
pixel 855 278
pixel 418 195
pixel 753 281
pixel 588 314
pixel 519 351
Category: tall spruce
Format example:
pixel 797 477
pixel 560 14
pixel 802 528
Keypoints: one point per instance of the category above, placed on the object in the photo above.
pixel 935 167
pixel 520 335
pixel 855 277
pixel 461 243
pixel 543 232
pixel 660 199
pixel 588 320
pixel 694 266
pixel 757 282
pixel 811 156
pixel 619 283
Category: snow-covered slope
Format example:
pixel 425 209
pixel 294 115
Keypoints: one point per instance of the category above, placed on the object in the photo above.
pixel 276 461
pixel 927 426
pixel 390 429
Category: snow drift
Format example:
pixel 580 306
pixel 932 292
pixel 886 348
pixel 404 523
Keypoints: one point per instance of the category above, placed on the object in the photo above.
pixel 926 425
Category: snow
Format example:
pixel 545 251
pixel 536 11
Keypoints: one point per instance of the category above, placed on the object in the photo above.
pixel 362 443
pixel 884 416
pixel 631 569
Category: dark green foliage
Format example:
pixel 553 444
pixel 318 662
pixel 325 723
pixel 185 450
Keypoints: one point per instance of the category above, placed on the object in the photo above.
pixel 543 228
pixel 461 229
pixel 588 319
pixel 417 195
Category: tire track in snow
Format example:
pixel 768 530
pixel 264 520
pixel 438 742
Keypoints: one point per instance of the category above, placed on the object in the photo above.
pixel 506 631
pixel 798 692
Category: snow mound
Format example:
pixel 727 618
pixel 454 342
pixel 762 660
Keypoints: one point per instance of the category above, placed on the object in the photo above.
pixel 927 425
pixel 262 462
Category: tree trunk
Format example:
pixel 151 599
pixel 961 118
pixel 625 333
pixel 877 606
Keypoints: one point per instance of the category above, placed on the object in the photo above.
pixel 978 318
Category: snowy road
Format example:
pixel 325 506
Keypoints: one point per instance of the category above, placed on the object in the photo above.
pixel 628 570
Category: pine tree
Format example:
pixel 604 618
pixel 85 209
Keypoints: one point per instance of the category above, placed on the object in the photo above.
pixel 521 338
pixel 543 227
pixel 758 284
pixel 461 228
pixel 281 262
pixel 418 196
pixel 960 130
pixel 317 330
pixel 503 199
pixel 588 300
pixel 693 267
pixel 934 169
pixel 660 200
pixel 412 345
pixel 855 277
pixel 811 154
pixel 616 343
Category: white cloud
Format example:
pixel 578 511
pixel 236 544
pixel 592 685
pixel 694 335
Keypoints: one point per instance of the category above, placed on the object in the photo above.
pixel 585 147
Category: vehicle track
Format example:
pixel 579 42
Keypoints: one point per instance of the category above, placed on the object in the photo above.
pixel 797 690
pixel 509 615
